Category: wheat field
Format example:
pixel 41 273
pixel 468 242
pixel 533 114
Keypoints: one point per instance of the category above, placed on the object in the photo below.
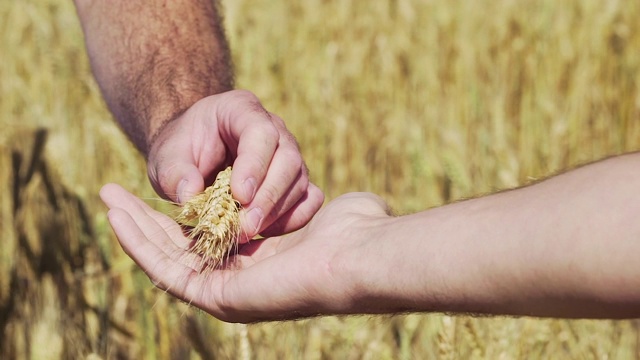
pixel 421 101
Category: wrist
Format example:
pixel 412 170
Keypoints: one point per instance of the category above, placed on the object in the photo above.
pixel 435 260
pixel 370 266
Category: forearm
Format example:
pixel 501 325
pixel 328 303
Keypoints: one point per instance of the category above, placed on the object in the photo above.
pixel 565 247
pixel 154 59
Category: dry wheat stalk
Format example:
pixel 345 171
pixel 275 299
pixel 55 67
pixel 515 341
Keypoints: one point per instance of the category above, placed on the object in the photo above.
pixel 213 217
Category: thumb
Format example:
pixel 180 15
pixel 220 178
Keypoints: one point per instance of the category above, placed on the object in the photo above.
pixel 176 180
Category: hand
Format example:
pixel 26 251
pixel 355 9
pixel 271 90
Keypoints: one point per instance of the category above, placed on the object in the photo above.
pixel 308 272
pixel 269 177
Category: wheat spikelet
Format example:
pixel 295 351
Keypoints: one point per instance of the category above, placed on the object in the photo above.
pixel 446 338
pixel 475 340
pixel 213 216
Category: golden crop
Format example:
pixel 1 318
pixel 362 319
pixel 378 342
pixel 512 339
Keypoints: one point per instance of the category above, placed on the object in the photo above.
pixel 423 102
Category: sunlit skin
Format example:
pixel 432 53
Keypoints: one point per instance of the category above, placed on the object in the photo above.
pixel 168 82
pixel 421 102
pixel 565 247
pixel 524 252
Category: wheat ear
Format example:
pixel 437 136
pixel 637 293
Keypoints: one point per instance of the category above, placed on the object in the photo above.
pixel 213 219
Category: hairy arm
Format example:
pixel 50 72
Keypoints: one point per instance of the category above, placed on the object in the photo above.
pixel 164 70
pixel 153 59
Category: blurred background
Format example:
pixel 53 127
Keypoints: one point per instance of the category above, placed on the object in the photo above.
pixel 423 102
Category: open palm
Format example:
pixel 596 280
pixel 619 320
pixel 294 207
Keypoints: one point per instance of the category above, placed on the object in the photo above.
pixel 301 274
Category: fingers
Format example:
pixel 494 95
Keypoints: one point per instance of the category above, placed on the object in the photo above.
pixel 283 186
pixel 159 253
pixel 162 268
pixel 152 223
pixel 242 294
pixel 172 166
pixel 175 179
pixel 269 176
pixel 247 129
pixel 154 251
pixel 298 215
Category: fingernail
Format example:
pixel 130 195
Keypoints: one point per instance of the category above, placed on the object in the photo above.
pixel 249 187
pixel 181 186
pixel 254 219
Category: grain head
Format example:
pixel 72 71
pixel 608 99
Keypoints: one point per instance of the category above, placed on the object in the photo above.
pixel 212 219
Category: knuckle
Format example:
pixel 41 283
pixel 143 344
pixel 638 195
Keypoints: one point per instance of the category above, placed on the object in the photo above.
pixel 294 161
pixel 163 178
pixel 289 139
pixel 270 131
pixel 244 94
pixel 278 121
pixel 249 100
pixel 245 100
pixel 261 167
pixel 270 195
pixel 297 164
pixel 304 181
pixel 305 170
pixel 300 190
